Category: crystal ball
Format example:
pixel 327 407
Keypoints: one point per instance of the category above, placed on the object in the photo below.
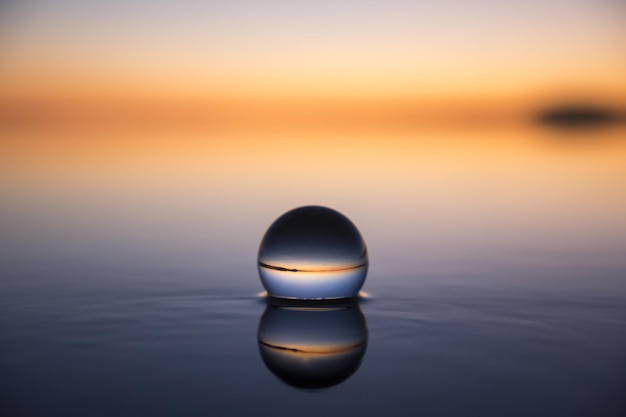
pixel 312 253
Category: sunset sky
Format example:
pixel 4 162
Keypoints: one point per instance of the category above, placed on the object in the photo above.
pixel 298 50
pixel 187 127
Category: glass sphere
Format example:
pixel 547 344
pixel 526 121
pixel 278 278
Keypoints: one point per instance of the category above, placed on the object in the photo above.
pixel 312 253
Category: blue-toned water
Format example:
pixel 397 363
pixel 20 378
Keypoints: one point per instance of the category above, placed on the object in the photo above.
pixel 508 299
pixel 100 340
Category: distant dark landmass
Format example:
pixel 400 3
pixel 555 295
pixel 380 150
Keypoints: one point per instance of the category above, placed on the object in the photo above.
pixel 578 116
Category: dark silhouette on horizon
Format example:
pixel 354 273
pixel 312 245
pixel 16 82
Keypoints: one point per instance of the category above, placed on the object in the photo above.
pixel 578 116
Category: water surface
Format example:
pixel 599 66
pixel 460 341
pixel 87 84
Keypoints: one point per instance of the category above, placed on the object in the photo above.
pixel 496 282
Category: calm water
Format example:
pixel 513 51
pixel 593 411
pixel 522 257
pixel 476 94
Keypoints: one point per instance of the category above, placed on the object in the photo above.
pixel 497 283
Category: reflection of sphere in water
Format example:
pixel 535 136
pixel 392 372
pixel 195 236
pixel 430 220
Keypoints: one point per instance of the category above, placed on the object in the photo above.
pixel 312 347
pixel 312 252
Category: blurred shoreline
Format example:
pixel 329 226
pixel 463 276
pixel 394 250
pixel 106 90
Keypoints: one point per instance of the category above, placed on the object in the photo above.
pixel 294 117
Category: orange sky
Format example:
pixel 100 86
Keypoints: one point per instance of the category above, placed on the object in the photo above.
pixel 164 120
pixel 69 60
pixel 72 48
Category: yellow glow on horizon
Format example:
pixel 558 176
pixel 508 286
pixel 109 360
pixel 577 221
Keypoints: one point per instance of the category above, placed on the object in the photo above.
pixel 36 80
pixel 304 350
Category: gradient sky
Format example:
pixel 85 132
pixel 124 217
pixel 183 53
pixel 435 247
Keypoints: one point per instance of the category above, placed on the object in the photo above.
pixel 362 65
pixel 449 48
